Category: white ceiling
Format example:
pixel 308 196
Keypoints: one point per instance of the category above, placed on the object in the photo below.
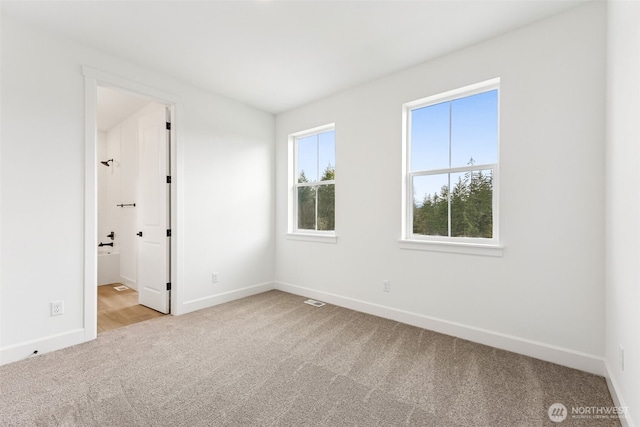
pixel 277 55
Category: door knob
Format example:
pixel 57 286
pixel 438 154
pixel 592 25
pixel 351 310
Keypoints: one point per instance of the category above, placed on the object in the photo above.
pixel 139 233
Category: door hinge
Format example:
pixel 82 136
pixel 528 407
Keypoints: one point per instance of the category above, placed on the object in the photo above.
pixel 169 286
pixel 168 179
pixel 168 126
pixel 169 233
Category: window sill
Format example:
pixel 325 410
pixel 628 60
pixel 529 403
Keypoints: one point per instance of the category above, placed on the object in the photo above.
pixel 309 237
pixel 493 250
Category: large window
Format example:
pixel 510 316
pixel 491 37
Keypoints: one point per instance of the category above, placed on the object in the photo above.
pixel 452 165
pixel 314 160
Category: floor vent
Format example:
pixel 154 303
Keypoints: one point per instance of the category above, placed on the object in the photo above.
pixel 120 288
pixel 314 303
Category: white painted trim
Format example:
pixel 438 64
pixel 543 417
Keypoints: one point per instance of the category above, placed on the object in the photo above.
pixel 470 90
pixel 90 209
pixel 408 174
pixel 221 298
pixel 616 396
pixel 550 353
pixel 294 185
pixel 128 282
pixel 1 240
pixel 24 350
pixel 313 131
pixel 117 82
pixel 309 237
pixel 452 247
pixel 177 210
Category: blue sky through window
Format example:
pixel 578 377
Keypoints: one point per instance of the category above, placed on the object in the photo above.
pixel 315 153
pixel 449 135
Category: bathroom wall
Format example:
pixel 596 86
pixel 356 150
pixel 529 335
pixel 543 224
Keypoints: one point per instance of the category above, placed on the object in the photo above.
pixel 102 187
pixel 108 265
pixel 118 184
pixel 111 189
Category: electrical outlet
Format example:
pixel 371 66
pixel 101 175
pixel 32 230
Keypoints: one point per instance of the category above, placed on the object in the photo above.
pixel 622 358
pixel 214 278
pixel 57 308
pixel 386 286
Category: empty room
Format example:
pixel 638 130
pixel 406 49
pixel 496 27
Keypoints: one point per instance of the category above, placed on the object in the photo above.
pixel 331 213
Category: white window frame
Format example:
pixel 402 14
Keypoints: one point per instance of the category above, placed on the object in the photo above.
pixel 470 245
pixel 295 233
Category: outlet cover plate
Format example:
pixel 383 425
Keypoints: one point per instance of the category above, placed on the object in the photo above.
pixel 57 308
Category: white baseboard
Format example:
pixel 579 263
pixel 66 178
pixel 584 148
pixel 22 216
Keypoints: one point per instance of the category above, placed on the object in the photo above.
pixel 210 301
pixel 618 400
pixel 128 282
pixel 24 350
pixel 550 353
pixel 554 354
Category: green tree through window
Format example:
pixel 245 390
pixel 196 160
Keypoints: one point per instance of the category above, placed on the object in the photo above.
pixel 452 163
pixel 471 208
pixel 315 184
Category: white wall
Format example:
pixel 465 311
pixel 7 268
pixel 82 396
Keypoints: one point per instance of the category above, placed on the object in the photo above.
pixel 112 183
pixel 547 288
pixel 623 202
pixel 227 181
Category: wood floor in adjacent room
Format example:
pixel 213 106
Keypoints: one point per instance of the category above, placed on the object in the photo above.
pixel 120 308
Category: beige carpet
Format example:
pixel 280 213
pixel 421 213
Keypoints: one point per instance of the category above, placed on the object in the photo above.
pixel 272 360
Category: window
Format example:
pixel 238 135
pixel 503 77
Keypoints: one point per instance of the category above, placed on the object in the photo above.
pixel 313 186
pixel 451 156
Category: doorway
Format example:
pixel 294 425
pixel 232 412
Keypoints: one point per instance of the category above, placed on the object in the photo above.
pixel 133 208
pixel 135 151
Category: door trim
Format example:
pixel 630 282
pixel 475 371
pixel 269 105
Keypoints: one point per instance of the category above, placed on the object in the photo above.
pixel 92 79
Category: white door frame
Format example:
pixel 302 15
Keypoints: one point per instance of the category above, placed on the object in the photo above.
pixel 92 79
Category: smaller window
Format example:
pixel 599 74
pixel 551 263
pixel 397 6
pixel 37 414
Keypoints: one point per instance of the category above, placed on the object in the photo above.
pixel 313 187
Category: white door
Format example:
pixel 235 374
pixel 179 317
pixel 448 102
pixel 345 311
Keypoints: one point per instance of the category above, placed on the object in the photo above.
pixel 153 210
